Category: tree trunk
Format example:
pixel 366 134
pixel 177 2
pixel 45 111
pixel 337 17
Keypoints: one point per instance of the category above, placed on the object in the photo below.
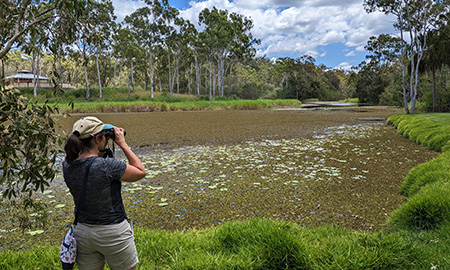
pixel 151 73
pixel 3 71
pixel 114 76
pixel 98 75
pixel 178 76
pixel 213 81
pixel 434 88
pixel 120 73
pixel 170 72
pixel 33 68
pixel 197 73
pixel 87 83
pixel 132 77
pixel 210 79
pixel 38 72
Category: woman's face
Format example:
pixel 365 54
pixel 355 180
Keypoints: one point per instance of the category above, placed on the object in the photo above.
pixel 102 141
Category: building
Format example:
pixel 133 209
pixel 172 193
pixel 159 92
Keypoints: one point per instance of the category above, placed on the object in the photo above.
pixel 25 79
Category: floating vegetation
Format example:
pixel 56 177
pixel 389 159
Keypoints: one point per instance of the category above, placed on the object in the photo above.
pixel 338 176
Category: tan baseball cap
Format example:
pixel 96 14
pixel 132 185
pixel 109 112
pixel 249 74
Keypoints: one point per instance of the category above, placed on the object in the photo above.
pixel 88 126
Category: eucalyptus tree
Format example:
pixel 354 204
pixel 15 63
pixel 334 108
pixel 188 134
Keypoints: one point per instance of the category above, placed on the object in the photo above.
pixel 190 40
pixel 437 55
pixel 226 36
pixel 28 140
pixel 126 48
pixel 415 18
pixel 145 23
pixel 103 20
pixel 169 31
pixel 384 49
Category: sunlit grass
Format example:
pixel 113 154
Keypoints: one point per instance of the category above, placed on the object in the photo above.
pixel 266 244
pixel 155 106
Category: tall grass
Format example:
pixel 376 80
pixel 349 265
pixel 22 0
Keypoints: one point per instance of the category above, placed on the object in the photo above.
pixel 155 106
pixel 120 100
pixel 252 244
pixel 427 185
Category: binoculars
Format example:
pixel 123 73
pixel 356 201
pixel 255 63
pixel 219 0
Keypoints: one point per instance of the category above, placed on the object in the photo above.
pixel 109 134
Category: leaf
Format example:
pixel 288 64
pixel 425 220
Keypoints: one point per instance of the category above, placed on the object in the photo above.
pixel 36 232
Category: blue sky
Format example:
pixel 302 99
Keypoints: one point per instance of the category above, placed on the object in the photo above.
pixel 334 32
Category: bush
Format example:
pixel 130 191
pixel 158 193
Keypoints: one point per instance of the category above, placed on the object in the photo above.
pixel 427 209
pixel 420 129
pixel 269 243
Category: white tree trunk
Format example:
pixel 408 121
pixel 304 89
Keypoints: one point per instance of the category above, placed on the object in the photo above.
pixel 151 73
pixel 98 76
pixel 114 76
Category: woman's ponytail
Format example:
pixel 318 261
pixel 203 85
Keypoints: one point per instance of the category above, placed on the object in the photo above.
pixel 74 146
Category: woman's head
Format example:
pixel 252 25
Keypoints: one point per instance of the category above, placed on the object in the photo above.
pixel 87 132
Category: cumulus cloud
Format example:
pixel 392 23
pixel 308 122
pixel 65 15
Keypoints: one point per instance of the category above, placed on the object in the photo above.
pixel 123 8
pixel 294 28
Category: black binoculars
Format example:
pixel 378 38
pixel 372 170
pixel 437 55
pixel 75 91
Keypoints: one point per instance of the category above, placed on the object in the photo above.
pixel 109 134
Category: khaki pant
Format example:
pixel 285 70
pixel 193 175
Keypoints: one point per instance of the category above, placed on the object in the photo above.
pixel 97 244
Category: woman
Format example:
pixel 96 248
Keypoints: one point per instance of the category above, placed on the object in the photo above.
pixel 103 233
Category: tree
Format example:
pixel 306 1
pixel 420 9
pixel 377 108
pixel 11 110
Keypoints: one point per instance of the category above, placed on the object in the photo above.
pixel 226 36
pixel 20 18
pixel 416 18
pixel 384 49
pixel 369 83
pixel 28 140
pixel 436 55
pixel 104 26
pixel 145 23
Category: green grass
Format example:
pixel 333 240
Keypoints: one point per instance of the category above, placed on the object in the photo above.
pixel 262 244
pixel 155 106
pixel 119 100
pixel 430 130
pixel 427 186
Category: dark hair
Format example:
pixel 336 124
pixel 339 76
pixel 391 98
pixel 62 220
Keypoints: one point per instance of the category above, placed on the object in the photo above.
pixel 74 146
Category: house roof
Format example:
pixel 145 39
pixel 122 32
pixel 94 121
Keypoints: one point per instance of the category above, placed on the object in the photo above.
pixel 25 76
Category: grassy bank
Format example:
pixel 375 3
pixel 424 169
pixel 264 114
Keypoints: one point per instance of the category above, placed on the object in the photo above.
pixel 416 238
pixel 120 100
pixel 267 244
pixel 253 244
pixel 156 106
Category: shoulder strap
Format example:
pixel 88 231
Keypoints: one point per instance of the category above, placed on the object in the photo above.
pixel 83 191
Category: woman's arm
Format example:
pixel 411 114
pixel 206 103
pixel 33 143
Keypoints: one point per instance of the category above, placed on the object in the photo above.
pixel 135 170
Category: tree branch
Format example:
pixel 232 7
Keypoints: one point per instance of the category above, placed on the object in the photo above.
pixel 18 34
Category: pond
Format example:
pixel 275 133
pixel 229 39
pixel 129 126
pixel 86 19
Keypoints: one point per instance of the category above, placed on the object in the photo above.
pixel 341 166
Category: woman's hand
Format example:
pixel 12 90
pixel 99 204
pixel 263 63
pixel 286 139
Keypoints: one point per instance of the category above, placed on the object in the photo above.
pixel 119 137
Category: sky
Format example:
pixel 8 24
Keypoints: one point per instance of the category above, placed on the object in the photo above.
pixel 334 32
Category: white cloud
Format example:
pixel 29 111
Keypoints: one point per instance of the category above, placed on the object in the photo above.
pixel 344 66
pixel 123 8
pixel 352 53
pixel 294 27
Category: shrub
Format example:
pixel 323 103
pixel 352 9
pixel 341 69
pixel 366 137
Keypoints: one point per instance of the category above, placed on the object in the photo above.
pixel 269 243
pixel 433 171
pixel 427 209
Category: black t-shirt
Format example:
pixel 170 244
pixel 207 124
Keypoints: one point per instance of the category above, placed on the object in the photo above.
pixel 102 203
